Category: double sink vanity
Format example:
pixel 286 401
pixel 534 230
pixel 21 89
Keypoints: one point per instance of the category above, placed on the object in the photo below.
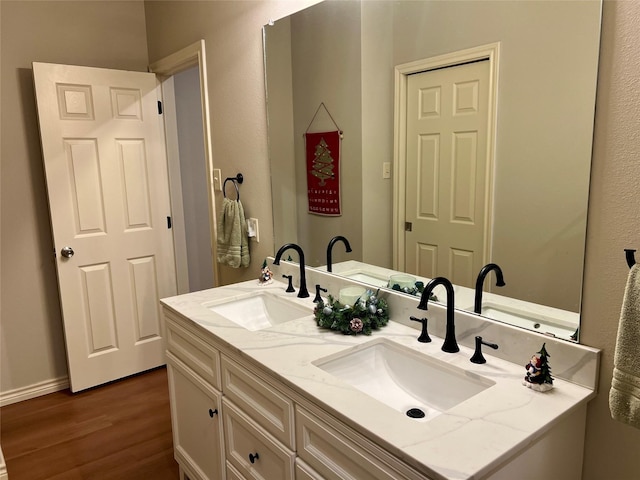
pixel 259 391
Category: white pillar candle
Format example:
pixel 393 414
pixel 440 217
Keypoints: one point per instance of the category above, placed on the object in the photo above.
pixel 350 295
pixel 402 280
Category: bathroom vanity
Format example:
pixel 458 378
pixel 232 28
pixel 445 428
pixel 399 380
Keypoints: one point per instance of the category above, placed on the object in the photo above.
pixel 279 398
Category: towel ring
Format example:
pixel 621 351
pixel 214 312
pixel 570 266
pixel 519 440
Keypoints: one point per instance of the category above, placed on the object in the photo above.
pixel 631 259
pixel 236 180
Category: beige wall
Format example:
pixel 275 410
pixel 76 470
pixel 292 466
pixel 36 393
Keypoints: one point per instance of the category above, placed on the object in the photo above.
pixel 612 449
pixel 30 329
pixel 325 52
pixel 232 32
pixel 104 34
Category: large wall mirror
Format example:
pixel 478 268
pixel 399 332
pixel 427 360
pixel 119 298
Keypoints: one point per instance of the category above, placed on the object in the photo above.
pixel 353 57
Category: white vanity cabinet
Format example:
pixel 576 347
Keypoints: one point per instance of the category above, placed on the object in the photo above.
pixel 196 423
pixel 241 423
pixel 258 424
pixel 193 369
pixel 249 405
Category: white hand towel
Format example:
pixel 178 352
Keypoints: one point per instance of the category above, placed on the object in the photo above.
pixel 624 396
pixel 233 239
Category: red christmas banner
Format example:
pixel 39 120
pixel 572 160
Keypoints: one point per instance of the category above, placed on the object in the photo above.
pixel 323 172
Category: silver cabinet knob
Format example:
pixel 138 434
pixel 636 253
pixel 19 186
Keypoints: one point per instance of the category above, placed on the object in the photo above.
pixel 67 252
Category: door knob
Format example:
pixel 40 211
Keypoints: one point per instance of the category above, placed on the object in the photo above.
pixel 67 252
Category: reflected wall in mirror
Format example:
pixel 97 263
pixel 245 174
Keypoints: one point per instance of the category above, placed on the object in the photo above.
pixel 344 54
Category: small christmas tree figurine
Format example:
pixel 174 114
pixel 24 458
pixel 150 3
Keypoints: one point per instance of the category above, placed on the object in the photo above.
pixel 266 276
pixel 539 372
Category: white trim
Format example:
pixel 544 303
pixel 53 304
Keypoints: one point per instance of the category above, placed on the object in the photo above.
pixel 189 56
pixel 32 391
pixel 167 90
pixel 490 52
pixel 3 467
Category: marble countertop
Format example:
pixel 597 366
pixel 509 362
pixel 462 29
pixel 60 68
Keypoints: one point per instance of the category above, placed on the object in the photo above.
pixel 467 441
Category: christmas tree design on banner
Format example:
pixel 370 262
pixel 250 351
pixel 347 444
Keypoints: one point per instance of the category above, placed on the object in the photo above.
pixel 323 172
pixel 322 163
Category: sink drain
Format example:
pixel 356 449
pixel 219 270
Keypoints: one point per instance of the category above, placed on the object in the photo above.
pixel 415 413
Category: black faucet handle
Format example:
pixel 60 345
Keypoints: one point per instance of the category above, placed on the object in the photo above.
pixel 424 335
pixel 290 286
pixel 477 355
pixel 318 297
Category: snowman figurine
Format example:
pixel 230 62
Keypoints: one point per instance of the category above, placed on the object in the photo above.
pixel 538 376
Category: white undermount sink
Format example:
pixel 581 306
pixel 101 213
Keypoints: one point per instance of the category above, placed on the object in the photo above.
pixel 403 379
pixel 365 276
pixel 256 311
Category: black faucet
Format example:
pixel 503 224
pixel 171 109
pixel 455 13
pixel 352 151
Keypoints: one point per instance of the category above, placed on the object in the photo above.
pixel 332 242
pixel 450 345
pixel 302 291
pixel 484 271
pixel 290 286
pixel 318 297
pixel 477 355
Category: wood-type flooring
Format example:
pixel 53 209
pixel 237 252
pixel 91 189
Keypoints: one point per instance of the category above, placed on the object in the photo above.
pixel 118 431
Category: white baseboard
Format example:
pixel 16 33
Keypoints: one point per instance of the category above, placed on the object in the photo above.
pixel 3 467
pixel 33 391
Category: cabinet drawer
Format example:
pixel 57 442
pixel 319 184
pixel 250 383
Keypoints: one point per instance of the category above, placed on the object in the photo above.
pixel 232 473
pixel 305 472
pixel 267 406
pixel 201 357
pixel 335 456
pixel 251 450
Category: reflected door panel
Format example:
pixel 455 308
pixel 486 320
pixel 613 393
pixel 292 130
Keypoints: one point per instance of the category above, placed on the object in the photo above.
pixel 447 172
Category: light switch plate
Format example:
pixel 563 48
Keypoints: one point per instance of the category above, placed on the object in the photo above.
pixel 217 180
pixel 253 229
pixel 386 170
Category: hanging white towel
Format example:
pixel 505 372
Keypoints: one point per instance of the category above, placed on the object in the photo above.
pixel 233 240
pixel 624 396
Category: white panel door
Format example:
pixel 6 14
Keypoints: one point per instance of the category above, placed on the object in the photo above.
pixel 446 172
pixel 106 172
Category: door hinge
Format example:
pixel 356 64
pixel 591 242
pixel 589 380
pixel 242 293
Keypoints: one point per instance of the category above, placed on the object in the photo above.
pixel 159 107
pixel 169 224
pixel 408 226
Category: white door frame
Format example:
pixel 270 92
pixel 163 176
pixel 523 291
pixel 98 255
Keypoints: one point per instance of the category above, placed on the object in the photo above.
pixel 489 52
pixel 177 62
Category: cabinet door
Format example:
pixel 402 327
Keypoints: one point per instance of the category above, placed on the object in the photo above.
pixel 196 422
pixel 252 450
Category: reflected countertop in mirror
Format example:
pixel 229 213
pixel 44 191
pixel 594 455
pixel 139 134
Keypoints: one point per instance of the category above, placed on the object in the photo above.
pixel 530 316
pixel 346 55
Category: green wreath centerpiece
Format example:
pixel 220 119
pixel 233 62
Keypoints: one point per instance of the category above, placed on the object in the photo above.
pixel 368 313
